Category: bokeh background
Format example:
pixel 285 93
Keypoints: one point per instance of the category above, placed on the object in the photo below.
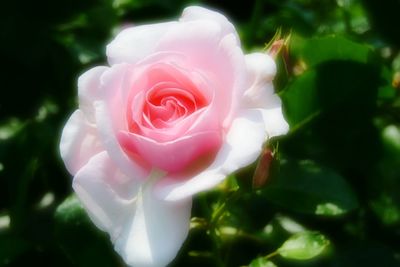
pixel 336 174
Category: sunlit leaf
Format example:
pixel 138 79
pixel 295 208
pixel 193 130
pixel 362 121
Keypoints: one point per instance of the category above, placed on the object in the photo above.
pixel 304 246
pixel 262 262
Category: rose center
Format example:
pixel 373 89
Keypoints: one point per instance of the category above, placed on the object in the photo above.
pixel 167 103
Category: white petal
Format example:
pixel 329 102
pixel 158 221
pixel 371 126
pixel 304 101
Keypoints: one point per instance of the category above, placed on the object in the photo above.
pixel 261 71
pixel 242 147
pixel 261 66
pixel 136 43
pixel 155 232
pixel 79 142
pixel 200 13
pixel 88 91
pixel 275 123
pixel 145 231
pixel 106 193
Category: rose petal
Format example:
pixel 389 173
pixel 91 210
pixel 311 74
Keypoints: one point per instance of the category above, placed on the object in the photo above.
pixel 242 147
pixel 170 156
pixel 108 137
pixel 79 142
pixel 239 80
pixel 261 70
pixel 145 231
pixel 261 67
pixel 156 231
pixel 107 194
pixel 88 91
pixel 193 13
pixel 275 123
pixel 135 43
pixel 217 56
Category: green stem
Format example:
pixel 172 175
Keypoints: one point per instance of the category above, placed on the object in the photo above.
pixel 298 127
pixel 271 255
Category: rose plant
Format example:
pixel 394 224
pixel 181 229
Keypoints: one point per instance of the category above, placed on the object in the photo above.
pixel 178 109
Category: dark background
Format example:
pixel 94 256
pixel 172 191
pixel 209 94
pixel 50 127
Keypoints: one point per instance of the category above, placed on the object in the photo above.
pixel 337 171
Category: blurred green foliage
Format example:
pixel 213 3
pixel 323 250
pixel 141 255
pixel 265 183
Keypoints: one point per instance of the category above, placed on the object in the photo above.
pixel 332 197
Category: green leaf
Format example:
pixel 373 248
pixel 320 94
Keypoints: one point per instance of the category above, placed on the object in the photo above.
pixel 334 80
pixel 335 87
pixel 330 109
pixel 261 262
pixel 307 187
pixel 83 243
pixel 303 246
pixel 322 49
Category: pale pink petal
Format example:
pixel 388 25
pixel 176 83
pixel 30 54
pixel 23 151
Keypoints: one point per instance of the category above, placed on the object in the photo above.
pixel 135 43
pixel 110 119
pixel 88 91
pixel 197 40
pixel 238 78
pixel 79 142
pixel 155 232
pixel 242 146
pixel 193 13
pixel 261 71
pixel 107 194
pixel 113 94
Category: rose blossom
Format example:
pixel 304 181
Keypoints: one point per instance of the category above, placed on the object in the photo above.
pixel 179 108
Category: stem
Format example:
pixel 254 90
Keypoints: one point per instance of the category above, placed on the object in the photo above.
pixel 271 255
pixel 298 127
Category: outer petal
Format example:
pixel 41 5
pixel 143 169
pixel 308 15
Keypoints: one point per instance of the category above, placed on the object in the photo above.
pixel 107 194
pixel 242 147
pixel 275 123
pixel 135 43
pixel 88 91
pixel 145 231
pixel 155 232
pixel 79 142
pixel 193 13
pixel 261 70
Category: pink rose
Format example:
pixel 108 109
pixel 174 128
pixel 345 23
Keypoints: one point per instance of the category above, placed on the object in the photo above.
pixel 179 108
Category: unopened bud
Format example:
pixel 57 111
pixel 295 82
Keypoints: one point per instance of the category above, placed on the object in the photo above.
pixel 262 170
pixel 396 80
